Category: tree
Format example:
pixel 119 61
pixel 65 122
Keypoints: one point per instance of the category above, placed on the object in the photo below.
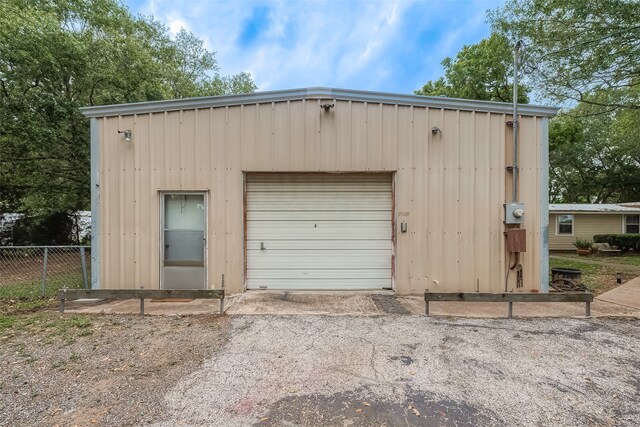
pixel 577 48
pixel 480 71
pixel 56 57
pixel 594 154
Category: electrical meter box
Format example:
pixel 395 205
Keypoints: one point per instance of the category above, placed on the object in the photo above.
pixel 514 213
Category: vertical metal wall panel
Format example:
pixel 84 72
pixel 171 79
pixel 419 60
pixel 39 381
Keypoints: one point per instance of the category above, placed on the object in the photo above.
pixel 436 207
pixel 343 133
pixel 498 195
pixel 217 240
pixel 389 133
pixel 311 139
pixel 373 132
pixel 481 216
pixel 233 228
pixel 281 136
pixel 467 235
pixel 327 140
pixel 449 186
pixel 141 172
pixel 358 136
pixel 403 184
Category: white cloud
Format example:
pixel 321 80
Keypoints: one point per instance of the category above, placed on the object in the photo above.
pixel 356 44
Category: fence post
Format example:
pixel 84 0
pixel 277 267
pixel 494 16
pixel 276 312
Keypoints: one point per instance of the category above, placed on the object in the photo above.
pixel 44 271
pixel 83 261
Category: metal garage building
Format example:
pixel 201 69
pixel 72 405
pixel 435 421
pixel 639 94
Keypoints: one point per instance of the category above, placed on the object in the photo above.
pixel 318 189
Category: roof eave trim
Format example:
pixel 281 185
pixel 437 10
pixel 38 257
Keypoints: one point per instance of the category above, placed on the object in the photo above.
pixel 315 93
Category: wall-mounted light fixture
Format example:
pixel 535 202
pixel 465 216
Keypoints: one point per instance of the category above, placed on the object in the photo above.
pixel 127 134
pixel 435 130
pixel 326 107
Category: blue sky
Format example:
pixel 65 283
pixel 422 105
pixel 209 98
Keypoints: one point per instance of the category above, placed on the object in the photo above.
pixel 390 46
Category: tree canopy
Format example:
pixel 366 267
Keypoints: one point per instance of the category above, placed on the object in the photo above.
pixel 56 57
pixel 480 71
pixel 594 157
pixel 577 48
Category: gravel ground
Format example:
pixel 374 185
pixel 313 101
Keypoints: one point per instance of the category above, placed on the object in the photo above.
pixel 98 370
pixel 321 370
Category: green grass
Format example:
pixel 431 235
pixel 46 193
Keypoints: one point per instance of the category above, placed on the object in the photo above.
pixel 632 258
pixel 26 296
pixel 49 324
pixel 585 268
pixel 7 322
pixel 598 278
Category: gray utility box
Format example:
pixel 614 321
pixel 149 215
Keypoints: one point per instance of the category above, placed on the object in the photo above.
pixel 514 213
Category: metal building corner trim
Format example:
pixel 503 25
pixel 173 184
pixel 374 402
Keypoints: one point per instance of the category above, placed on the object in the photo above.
pixel 95 203
pixel 544 204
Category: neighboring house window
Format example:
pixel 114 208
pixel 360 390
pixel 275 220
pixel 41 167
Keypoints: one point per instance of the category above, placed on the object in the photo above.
pixel 565 224
pixel 632 224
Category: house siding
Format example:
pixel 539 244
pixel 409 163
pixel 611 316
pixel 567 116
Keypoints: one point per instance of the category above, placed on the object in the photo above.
pixel 585 226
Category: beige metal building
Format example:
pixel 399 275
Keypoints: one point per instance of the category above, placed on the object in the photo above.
pixel 317 189
pixel 568 222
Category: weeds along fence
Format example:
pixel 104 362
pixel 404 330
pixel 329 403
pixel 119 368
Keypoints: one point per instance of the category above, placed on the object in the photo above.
pixel 32 271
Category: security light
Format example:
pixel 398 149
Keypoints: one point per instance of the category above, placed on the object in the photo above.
pixel 127 134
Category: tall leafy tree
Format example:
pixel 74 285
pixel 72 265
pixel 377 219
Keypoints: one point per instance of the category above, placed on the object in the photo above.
pixel 56 57
pixel 578 48
pixel 480 71
pixel 594 153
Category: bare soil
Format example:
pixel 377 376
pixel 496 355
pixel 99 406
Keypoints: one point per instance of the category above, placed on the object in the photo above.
pixel 98 370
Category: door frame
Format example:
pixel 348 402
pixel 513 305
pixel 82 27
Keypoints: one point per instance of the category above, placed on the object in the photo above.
pixel 392 177
pixel 205 198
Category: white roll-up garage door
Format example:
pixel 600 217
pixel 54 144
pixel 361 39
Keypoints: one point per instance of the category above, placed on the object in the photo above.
pixel 319 231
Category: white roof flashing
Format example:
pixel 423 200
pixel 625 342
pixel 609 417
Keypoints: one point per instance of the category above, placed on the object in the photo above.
pixel 595 207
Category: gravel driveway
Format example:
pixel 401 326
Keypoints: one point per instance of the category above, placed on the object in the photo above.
pixel 407 370
pixel 388 370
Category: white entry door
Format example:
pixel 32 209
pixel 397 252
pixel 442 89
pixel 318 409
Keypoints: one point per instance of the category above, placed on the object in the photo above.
pixel 319 231
pixel 183 241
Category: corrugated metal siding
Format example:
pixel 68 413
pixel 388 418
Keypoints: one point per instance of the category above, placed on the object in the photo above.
pixel 585 226
pixel 449 187
pixel 328 231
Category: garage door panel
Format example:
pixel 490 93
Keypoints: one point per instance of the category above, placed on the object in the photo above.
pixel 348 201
pixel 318 284
pixel 319 231
pixel 311 178
pixel 326 215
pixel 320 245
pixel 353 259
pixel 366 274
pixel 331 187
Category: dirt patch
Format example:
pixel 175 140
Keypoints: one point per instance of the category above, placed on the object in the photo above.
pixel 389 304
pixel 605 280
pixel 357 408
pixel 98 370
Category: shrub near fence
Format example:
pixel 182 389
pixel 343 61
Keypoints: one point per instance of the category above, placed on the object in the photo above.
pixel 624 242
pixel 32 271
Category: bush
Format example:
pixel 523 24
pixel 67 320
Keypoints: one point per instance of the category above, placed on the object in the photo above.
pixel 582 244
pixel 624 242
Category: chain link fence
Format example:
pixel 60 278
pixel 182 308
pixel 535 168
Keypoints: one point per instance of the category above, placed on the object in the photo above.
pixel 32 271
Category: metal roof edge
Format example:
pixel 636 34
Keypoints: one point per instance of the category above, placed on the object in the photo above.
pixel 315 93
pixel 586 208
